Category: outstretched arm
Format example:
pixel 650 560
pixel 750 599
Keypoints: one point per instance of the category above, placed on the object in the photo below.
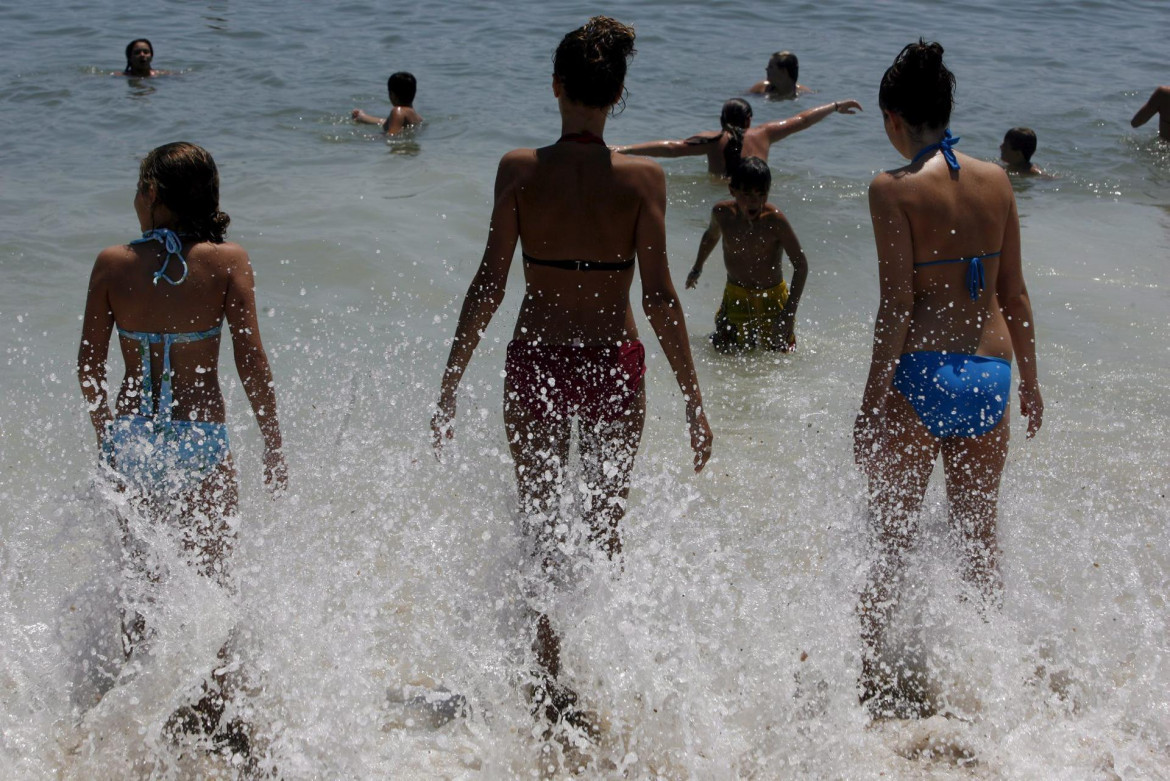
pixel 698 144
pixel 484 295
pixel 782 128
pixel 895 252
pixel 661 305
pixel 1016 307
pixel 96 326
pixel 706 245
pixel 367 119
pixel 252 366
pixel 1159 102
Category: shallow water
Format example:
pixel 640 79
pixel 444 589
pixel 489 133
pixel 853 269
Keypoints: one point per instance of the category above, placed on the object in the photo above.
pixel 727 644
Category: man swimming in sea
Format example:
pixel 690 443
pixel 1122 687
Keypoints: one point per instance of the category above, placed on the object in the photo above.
pixel 758 309
pixel 782 71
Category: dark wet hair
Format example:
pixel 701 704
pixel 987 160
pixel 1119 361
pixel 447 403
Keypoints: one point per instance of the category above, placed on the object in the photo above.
pixel 786 60
pixel 919 87
pixel 1023 140
pixel 752 175
pixel 186 181
pixel 734 119
pixel 130 48
pixel 591 61
pixel 402 84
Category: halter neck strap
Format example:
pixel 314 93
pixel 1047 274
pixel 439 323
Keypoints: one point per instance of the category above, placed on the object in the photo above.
pixel 946 145
pixel 174 247
pixel 584 137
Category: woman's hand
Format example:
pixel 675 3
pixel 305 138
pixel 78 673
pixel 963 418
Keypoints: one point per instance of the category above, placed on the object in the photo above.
pixel 441 423
pixel 1031 407
pixel 700 437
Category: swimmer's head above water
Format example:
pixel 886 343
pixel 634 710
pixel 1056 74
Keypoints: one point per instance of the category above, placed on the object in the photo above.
pixel 139 55
pixel 782 71
pixel 402 87
pixel 919 88
pixel 590 62
pixel 178 183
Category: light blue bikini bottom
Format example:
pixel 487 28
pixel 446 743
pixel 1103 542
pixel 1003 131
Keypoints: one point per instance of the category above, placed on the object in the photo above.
pixel 955 394
pixel 154 454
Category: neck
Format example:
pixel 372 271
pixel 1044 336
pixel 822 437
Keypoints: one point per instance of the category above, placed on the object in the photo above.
pixel 582 119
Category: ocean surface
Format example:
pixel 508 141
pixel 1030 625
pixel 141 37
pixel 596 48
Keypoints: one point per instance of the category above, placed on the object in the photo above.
pixel 725 644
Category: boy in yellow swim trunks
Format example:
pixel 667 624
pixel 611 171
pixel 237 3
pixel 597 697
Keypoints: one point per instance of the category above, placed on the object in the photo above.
pixel 758 309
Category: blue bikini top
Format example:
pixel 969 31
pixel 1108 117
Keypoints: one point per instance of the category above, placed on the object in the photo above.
pixel 946 145
pixel 174 247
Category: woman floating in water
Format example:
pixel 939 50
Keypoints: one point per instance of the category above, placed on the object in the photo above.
pixel 168 294
pixel 582 214
pixel 737 139
pixel 953 311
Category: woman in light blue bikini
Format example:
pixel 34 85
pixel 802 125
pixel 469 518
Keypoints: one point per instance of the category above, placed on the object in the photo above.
pixel 168 293
pixel 953 311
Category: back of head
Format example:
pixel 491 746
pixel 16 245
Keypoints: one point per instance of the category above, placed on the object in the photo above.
pixel 752 175
pixel 919 87
pixel 186 181
pixel 1023 140
pixel 130 48
pixel 786 60
pixel 591 61
pixel 735 118
pixel 403 86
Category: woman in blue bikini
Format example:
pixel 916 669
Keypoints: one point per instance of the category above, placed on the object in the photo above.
pixel 953 311
pixel 168 294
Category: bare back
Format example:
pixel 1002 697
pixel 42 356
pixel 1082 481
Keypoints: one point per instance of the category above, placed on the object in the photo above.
pixel 576 202
pixel 198 304
pixel 953 215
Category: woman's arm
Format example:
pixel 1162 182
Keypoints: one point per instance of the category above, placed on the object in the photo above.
pixel 698 144
pixel 96 326
pixel 252 366
pixel 484 294
pixel 782 128
pixel 1016 307
pixel 895 252
pixel 1159 101
pixel 662 308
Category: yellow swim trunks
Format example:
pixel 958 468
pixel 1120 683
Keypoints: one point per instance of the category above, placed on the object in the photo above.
pixel 749 317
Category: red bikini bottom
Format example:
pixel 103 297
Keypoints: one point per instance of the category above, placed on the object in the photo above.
pixel 559 380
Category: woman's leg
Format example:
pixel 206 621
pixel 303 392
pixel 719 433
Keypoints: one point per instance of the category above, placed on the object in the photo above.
pixel 607 458
pixel 973 467
pixel 540 451
pixel 897 482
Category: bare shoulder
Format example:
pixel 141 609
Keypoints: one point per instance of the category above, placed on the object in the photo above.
pixel 640 172
pixel 773 217
pixel 723 209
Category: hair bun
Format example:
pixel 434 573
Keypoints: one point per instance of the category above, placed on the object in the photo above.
pixel 608 38
pixel 923 56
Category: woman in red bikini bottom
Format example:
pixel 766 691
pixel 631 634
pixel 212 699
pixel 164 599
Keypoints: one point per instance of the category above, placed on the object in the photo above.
pixel 582 215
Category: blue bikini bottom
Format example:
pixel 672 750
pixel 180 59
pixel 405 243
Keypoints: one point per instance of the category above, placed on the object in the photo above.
pixel 153 454
pixel 954 394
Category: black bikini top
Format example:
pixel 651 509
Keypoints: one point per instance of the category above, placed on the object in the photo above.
pixel 579 265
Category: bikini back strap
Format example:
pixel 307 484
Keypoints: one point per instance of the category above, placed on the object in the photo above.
pixel 174 248
pixel 579 265
pixel 165 392
pixel 976 276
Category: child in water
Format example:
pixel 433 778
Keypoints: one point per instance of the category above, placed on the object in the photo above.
pixel 139 56
pixel 402 87
pixel 168 293
pixel 758 309
pixel 1015 153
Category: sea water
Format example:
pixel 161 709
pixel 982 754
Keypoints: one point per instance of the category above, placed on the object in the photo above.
pixel 725 643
